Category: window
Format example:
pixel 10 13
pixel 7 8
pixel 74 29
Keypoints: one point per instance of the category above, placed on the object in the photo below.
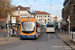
pixel 48 22
pixel 37 25
pixel 28 27
pixel 45 16
pixel 18 12
pixel 74 20
pixel 50 25
pixel 48 16
pixel 45 19
pixel 48 19
pixel 73 8
pixel 73 29
pixel 18 8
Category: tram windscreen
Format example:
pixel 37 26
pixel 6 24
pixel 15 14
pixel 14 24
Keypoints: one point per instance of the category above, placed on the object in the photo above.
pixel 28 26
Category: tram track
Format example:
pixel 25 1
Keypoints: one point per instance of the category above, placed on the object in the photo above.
pixel 46 42
pixel 38 44
pixel 56 41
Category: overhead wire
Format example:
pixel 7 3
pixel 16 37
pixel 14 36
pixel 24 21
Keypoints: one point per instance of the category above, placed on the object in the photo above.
pixel 50 9
pixel 29 5
pixel 50 5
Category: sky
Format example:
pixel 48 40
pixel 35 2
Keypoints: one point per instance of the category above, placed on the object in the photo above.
pixel 54 7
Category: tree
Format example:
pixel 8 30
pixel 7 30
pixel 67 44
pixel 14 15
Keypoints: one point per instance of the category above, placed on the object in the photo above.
pixel 5 8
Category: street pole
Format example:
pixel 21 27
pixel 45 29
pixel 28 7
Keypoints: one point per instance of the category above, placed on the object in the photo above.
pixel 69 26
pixel 8 27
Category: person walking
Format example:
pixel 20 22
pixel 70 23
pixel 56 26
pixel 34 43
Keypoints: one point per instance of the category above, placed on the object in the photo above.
pixel 13 30
pixel 65 29
pixel 62 27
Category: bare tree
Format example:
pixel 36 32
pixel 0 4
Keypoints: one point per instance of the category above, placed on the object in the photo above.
pixel 5 8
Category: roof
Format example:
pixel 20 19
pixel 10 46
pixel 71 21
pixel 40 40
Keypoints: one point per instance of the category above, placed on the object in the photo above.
pixel 55 17
pixel 22 8
pixel 41 12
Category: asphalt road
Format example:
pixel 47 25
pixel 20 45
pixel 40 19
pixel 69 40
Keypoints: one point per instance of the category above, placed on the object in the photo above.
pixel 47 41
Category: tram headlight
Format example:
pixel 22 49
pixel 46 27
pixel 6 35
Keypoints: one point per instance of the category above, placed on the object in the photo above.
pixel 34 34
pixel 21 34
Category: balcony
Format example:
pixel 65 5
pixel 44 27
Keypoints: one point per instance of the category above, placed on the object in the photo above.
pixel 65 2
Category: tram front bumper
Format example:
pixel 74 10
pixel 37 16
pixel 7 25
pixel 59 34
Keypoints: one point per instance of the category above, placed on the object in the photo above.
pixel 28 36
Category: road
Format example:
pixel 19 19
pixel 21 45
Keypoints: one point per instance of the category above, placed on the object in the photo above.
pixel 47 41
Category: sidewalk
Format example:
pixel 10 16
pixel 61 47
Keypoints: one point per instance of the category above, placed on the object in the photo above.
pixel 65 37
pixel 4 30
pixel 3 40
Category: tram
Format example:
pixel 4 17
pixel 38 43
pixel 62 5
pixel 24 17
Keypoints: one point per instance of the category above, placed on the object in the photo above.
pixel 29 28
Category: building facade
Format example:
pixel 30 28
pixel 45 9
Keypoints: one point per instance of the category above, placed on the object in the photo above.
pixel 43 17
pixel 69 10
pixel 22 11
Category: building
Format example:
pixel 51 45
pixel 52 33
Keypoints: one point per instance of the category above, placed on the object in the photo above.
pixel 55 18
pixel 42 17
pixel 22 11
pixel 69 10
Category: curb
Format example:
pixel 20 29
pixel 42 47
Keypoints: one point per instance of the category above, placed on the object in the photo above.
pixel 66 43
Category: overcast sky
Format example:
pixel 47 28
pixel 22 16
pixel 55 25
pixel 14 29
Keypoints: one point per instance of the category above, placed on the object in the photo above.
pixel 42 5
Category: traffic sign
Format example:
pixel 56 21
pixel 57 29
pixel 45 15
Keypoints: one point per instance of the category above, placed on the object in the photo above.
pixel 13 19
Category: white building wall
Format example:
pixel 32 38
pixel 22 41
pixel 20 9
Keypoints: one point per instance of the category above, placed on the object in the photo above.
pixel 58 19
pixel 22 13
pixel 42 19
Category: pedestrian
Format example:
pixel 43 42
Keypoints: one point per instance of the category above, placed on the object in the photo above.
pixel 62 27
pixel 13 30
pixel 65 28
pixel 57 28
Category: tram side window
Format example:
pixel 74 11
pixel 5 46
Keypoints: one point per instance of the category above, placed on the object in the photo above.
pixel 18 26
pixel 37 25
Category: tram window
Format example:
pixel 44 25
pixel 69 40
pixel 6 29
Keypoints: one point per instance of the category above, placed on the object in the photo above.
pixel 37 25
